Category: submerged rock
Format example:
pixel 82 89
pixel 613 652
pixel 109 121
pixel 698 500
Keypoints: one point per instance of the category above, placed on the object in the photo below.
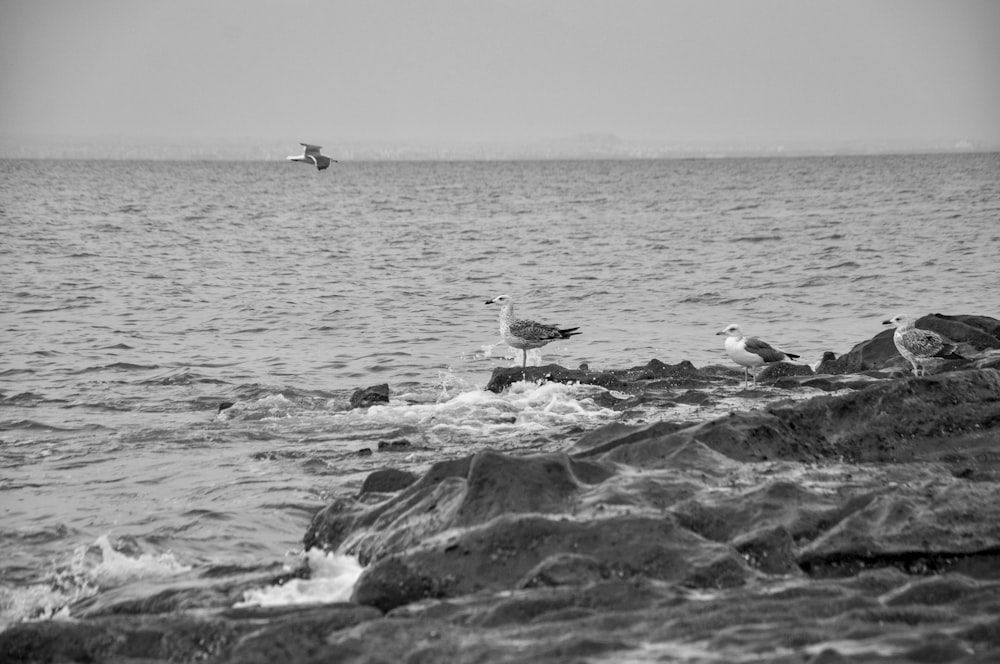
pixel 370 396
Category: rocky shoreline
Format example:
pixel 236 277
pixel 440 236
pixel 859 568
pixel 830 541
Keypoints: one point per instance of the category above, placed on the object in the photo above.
pixel 858 525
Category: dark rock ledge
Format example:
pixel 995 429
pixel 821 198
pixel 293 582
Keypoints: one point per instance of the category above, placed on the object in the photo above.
pixel 859 526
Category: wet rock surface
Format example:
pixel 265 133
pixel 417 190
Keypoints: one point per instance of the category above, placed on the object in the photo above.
pixel 861 524
pixel 370 396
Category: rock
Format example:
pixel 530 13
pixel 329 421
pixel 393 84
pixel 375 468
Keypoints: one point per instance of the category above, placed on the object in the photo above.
pixel 401 445
pixel 505 550
pixel 504 377
pixel 655 373
pixel 453 494
pixel 858 525
pixel 890 421
pixel 370 396
pixel 830 382
pixel 771 373
pixel 974 334
pixel 388 480
pixel 290 634
pixel 769 549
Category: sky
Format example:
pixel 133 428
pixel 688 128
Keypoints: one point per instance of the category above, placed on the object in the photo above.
pixel 501 70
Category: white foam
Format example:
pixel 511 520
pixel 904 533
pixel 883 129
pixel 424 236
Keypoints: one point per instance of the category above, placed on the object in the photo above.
pixel 524 404
pixel 91 568
pixel 114 568
pixel 332 578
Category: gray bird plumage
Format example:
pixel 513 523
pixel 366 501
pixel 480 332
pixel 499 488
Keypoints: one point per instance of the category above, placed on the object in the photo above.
pixel 524 334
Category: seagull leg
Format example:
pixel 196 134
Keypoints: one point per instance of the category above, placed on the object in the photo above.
pixel 524 354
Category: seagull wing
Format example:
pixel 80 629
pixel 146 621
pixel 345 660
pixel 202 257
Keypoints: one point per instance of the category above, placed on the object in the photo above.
pixel 532 331
pixel 922 343
pixel 766 351
pixel 322 161
pixel 310 149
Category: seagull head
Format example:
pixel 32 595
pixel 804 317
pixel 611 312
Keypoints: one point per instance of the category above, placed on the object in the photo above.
pixel 902 321
pixel 731 330
pixel 499 299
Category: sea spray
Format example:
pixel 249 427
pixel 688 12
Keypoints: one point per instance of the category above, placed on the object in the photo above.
pixel 331 579
pixel 91 568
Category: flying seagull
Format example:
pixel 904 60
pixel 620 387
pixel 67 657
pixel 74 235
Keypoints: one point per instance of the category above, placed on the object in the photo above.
pixel 917 345
pixel 751 352
pixel 311 155
pixel 525 334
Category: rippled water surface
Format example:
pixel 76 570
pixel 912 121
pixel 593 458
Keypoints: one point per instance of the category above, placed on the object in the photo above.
pixel 137 296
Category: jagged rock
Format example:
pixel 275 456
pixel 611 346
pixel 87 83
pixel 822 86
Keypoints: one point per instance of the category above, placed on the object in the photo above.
pixel 499 554
pixel 867 517
pixel 952 417
pixel 504 377
pixel 655 374
pixel 370 396
pixel 974 334
pixel 452 494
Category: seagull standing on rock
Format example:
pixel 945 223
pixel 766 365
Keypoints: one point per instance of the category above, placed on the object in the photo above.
pixel 918 346
pixel 751 352
pixel 525 334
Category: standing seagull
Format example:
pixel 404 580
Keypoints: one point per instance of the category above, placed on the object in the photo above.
pixel 917 345
pixel 311 155
pixel 751 352
pixel 525 334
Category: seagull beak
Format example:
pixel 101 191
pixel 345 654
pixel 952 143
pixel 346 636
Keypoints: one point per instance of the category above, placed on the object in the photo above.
pixel 720 332
pixel 887 322
pixel 489 301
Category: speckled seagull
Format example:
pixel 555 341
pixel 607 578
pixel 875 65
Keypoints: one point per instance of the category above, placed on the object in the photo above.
pixel 917 345
pixel 751 352
pixel 311 155
pixel 525 334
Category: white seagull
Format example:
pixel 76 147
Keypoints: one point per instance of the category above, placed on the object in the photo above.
pixel 751 352
pixel 525 334
pixel 917 345
pixel 311 155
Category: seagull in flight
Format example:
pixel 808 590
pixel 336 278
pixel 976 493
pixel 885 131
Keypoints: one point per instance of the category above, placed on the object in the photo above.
pixel 311 155
pixel 751 352
pixel 917 345
pixel 525 334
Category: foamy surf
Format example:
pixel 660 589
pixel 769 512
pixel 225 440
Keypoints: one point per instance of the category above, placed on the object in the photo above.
pixel 331 579
pixel 91 568
pixel 471 412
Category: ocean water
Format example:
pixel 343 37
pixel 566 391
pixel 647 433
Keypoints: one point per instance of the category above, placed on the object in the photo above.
pixel 138 296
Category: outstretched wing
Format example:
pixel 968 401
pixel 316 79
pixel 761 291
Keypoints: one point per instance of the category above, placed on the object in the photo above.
pixel 310 150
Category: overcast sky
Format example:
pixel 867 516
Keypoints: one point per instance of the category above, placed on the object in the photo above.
pixel 499 70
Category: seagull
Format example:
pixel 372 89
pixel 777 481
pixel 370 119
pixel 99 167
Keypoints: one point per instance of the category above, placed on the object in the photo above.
pixel 311 155
pixel 751 352
pixel 525 334
pixel 917 345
